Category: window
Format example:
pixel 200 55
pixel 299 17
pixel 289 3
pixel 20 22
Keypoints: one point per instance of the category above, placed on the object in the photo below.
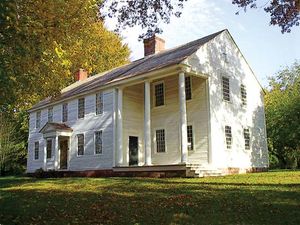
pixel 36 150
pixel 228 136
pixel 160 141
pixel 226 89
pixel 190 137
pixel 50 114
pixel 247 138
pixel 49 149
pixel 38 119
pixel 159 94
pixel 65 112
pixel 243 95
pixel 80 144
pixel 188 88
pixel 80 108
pixel 98 142
pixel 99 103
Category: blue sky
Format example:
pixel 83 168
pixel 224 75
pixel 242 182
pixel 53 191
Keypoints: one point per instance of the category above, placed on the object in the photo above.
pixel 266 49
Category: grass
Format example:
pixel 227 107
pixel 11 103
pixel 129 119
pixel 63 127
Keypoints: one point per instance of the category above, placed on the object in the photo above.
pixel 260 198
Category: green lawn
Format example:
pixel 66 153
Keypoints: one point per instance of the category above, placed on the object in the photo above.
pixel 260 198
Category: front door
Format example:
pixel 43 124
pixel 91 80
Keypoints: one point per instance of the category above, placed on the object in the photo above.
pixel 63 145
pixel 133 151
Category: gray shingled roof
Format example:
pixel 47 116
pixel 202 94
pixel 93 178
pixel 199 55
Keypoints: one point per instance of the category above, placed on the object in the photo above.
pixel 138 67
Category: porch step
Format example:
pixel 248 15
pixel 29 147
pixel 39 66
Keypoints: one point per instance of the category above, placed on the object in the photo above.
pixel 198 170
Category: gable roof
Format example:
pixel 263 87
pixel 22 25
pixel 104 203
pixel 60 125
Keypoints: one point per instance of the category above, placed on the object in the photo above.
pixel 54 127
pixel 135 68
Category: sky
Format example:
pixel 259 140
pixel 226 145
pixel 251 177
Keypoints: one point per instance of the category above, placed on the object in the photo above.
pixel 265 48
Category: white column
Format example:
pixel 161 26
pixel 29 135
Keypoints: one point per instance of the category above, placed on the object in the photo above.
pixel 183 120
pixel 56 152
pixel 45 154
pixel 147 123
pixel 120 128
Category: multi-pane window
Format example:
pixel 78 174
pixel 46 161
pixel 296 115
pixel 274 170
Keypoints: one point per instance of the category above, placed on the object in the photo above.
pixel 243 95
pixel 36 150
pixel 80 108
pixel 228 136
pixel 159 94
pixel 226 88
pixel 80 144
pixel 49 148
pixel 65 112
pixel 99 103
pixel 160 141
pixel 188 88
pixel 98 142
pixel 38 119
pixel 247 138
pixel 50 114
pixel 190 137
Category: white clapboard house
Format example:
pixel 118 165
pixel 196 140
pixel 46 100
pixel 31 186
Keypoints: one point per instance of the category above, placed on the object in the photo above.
pixel 193 110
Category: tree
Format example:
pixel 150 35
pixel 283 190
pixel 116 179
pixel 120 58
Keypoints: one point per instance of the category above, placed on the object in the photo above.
pixel 150 13
pixel 42 44
pixel 283 116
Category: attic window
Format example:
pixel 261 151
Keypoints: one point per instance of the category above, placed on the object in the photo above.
pixel 226 89
pixel 243 95
pixel 225 57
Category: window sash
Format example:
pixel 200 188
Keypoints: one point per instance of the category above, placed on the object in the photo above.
pixel 188 88
pixel 159 94
pixel 99 103
pixel 226 88
pixel 247 138
pixel 38 119
pixel 65 112
pixel 190 138
pixel 228 137
pixel 243 95
pixel 80 144
pixel 81 104
pixel 160 141
pixel 36 150
pixel 98 142
pixel 49 149
pixel 50 114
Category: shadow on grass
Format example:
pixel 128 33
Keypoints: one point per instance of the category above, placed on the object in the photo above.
pixel 146 201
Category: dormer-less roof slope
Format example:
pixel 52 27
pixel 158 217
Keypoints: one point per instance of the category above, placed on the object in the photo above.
pixel 138 67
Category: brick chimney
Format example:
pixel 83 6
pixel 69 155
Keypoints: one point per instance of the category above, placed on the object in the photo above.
pixel 153 45
pixel 80 75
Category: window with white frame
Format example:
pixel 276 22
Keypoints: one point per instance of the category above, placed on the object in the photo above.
pixel 188 88
pixel 99 103
pixel 49 148
pixel 228 137
pixel 50 114
pixel 226 89
pixel 65 112
pixel 244 95
pixel 159 94
pixel 36 150
pixel 80 144
pixel 81 108
pixel 38 119
pixel 190 138
pixel 247 138
pixel 160 141
pixel 98 142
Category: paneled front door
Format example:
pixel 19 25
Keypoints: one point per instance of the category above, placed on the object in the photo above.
pixel 133 151
pixel 63 145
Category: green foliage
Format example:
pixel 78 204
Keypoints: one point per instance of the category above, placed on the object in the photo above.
pixel 42 45
pixel 261 198
pixel 283 117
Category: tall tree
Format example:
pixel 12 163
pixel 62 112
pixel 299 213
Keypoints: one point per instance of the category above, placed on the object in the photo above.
pixel 283 116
